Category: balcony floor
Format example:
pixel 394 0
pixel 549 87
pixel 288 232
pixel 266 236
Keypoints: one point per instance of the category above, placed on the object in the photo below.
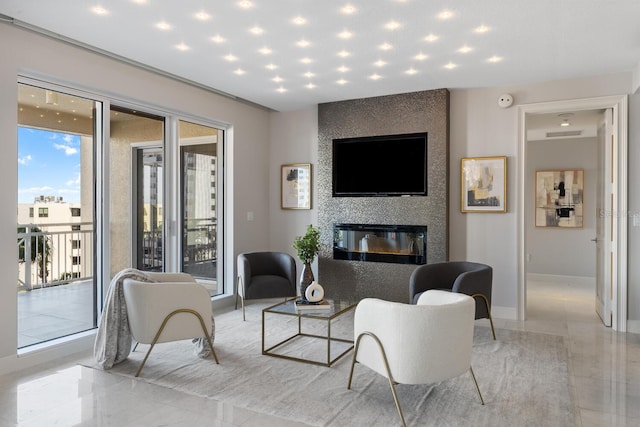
pixel 53 312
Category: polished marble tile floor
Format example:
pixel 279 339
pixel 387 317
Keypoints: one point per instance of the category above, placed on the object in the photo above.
pixel 604 369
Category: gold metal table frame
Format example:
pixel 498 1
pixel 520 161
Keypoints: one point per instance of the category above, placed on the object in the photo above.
pixel 288 308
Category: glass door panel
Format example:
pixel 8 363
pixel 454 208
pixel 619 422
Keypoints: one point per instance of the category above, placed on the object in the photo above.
pixel 55 217
pixel 137 192
pixel 201 202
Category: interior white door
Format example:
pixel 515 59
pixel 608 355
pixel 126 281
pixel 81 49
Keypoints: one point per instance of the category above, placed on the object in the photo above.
pixel 604 217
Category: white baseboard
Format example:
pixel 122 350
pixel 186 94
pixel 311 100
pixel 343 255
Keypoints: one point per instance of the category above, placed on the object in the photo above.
pixel 46 353
pixel 508 313
pixel 633 326
pixel 581 281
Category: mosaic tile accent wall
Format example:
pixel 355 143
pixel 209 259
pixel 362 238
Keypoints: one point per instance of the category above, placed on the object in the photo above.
pixel 426 111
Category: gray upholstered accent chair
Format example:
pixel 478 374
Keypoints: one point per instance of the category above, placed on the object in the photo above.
pixel 465 277
pixel 265 275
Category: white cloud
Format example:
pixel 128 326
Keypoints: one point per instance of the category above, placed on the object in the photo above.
pixel 75 181
pixel 25 159
pixel 68 150
pixel 68 138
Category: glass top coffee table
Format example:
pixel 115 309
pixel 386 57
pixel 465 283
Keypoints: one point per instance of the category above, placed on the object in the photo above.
pixel 336 309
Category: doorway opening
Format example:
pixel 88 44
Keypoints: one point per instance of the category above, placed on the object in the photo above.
pixel 602 155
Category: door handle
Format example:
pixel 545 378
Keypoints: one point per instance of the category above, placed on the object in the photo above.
pixel 594 240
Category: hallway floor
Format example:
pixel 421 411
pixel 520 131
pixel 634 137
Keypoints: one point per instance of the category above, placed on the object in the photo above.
pixel 604 368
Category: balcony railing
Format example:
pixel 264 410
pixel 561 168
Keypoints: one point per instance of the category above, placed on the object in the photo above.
pixel 54 254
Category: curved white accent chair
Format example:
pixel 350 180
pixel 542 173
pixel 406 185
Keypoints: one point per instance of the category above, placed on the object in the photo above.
pixel 415 344
pixel 174 307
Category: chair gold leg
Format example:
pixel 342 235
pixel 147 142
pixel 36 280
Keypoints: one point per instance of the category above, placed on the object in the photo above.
pixel 243 315
pixel 486 304
pixel 392 383
pixel 134 347
pixel 164 323
pixel 476 383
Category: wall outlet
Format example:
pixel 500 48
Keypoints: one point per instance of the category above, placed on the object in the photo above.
pixel 528 257
pixel 250 216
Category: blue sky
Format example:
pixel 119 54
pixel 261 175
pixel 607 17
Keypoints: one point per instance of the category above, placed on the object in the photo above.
pixel 48 165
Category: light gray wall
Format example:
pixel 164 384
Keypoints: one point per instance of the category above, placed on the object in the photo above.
pixel 557 251
pixel 294 139
pixel 27 53
pixel 480 128
pixel 634 209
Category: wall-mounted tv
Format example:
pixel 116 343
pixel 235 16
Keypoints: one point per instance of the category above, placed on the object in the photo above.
pixel 375 166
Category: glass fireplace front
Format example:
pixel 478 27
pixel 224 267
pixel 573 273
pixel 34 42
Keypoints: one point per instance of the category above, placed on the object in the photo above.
pixel 402 244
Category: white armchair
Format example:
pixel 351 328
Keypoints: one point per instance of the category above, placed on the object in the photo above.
pixel 415 344
pixel 172 308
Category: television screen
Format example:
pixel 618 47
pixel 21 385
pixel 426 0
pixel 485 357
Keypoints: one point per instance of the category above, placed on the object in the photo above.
pixel 392 165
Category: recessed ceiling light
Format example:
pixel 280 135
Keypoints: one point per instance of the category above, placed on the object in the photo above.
pixel 303 43
pixel 163 25
pixel 343 53
pixel 348 9
pixel 385 46
pixel 565 123
pixel 99 10
pixel 445 14
pixel 450 66
pixel 231 58
pixel 256 30
pixel 245 4
pixel 495 59
pixel 202 16
pixel 140 1
pixel 183 47
pixel 299 20
pixel 379 63
pixel 465 49
pixel 265 50
pixel 345 35
pixel 271 66
pixel 306 60
pixel 411 71
pixel 310 86
pixel 309 74
pixel 375 76
pixel 218 38
pixel 481 29
pixel 239 71
pixel 343 69
pixel 392 25
pixel 281 89
pixel 431 38
pixel 342 82
pixel 420 57
pixel 277 79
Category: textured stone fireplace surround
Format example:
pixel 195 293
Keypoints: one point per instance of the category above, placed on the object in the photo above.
pixel 426 111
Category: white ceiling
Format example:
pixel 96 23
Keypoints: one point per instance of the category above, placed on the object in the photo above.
pixel 532 41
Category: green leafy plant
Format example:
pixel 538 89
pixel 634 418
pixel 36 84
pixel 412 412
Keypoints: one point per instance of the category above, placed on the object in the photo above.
pixel 308 245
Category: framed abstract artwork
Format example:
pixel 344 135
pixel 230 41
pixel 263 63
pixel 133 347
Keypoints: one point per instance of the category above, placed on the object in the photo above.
pixel 295 183
pixel 559 198
pixel 483 183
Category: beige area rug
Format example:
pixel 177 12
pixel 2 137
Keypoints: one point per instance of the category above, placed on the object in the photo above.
pixel 522 376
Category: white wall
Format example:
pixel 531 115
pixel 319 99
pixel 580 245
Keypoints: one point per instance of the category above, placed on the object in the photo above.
pixel 26 53
pixel 480 128
pixel 294 139
pixel 562 251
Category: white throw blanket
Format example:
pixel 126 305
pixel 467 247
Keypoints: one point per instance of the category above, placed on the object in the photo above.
pixel 113 340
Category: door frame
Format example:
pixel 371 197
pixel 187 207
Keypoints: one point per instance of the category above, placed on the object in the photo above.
pixel 619 218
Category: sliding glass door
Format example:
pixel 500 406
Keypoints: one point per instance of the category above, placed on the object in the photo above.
pixel 201 195
pixel 56 232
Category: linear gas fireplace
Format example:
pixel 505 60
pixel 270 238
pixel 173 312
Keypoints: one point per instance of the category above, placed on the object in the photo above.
pixel 401 244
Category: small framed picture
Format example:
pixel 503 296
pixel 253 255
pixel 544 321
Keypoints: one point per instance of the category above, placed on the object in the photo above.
pixel 295 182
pixel 483 184
pixel 559 198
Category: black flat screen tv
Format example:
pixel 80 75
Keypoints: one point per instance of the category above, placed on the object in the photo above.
pixel 380 166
